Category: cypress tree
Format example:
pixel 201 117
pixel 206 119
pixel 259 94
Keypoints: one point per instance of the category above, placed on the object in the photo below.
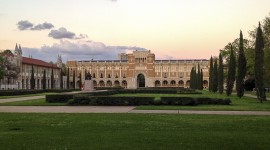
pixel 215 77
pixel 220 75
pixel 259 64
pixel 61 79
pixel 32 80
pixel 211 75
pixel 201 79
pixel 44 80
pixel 242 62
pixel 191 78
pixel 68 78
pixel 52 79
pixel 74 85
pixel 231 73
pixel 80 80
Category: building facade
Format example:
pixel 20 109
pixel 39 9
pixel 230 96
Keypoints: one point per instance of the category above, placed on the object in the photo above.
pixel 137 70
pixel 24 65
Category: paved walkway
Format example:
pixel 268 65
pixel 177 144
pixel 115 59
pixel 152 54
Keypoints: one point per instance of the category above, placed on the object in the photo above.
pixel 66 109
pixel 117 109
pixel 20 99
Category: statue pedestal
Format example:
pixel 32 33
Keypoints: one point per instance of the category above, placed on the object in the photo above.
pixel 88 86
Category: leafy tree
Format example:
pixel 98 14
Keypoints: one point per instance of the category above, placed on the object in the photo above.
pixel 32 79
pixel 11 69
pixel 74 84
pixel 2 69
pixel 68 78
pixel 215 77
pixel 259 64
pixel 211 75
pixel 220 75
pixel 241 68
pixel 52 79
pixel 44 80
pixel 231 73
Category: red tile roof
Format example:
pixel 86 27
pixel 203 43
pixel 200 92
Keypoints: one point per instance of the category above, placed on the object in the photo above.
pixel 37 62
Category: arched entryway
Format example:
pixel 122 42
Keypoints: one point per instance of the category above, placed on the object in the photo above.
pixel 140 81
pixel 157 83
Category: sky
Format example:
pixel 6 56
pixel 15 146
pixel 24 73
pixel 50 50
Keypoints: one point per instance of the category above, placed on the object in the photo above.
pixel 100 29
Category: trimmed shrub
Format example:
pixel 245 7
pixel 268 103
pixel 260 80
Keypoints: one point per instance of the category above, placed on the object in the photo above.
pixel 111 101
pixel 59 98
pixel 179 101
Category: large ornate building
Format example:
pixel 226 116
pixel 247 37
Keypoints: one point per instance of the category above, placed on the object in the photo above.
pixel 138 69
pixel 24 66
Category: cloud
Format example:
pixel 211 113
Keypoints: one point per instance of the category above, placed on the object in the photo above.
pixel 26 25
pixel 63 33
pixel 43 26
pixel 78 50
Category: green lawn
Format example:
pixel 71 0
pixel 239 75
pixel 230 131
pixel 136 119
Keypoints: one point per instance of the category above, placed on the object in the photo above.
pixel 132 131
pixel 36 102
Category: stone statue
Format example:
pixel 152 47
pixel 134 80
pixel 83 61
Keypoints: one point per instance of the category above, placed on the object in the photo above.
pixel 88 76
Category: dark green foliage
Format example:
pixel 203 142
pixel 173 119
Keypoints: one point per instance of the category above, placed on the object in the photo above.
pixel 220 75
pixel 231 73
pixel 179 101
pixel 59 98
pixel 242 68
pixel 211 75
pixel 111 101
pixel 32 79
pixel 196 81
pixel 201 79
pixel 74 84
pixel 80 80
pixel 136 101
pixel 44 80
pixel 52 79
pixel 215 77
pixel 61 79
pixel 250 84
pixel 192 78
pixel 68 78
pixel 259 64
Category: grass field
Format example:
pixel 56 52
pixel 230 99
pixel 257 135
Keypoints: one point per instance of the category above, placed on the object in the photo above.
pixel 133 131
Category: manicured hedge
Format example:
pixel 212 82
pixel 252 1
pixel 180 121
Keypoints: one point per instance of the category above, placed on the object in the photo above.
pixel 110 101
pixel 178 101
pixel 26 92
pixel 193 101
pixel 59 98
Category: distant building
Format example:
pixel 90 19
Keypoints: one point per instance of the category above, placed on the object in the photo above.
pixel 138 69
pixel 25 67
